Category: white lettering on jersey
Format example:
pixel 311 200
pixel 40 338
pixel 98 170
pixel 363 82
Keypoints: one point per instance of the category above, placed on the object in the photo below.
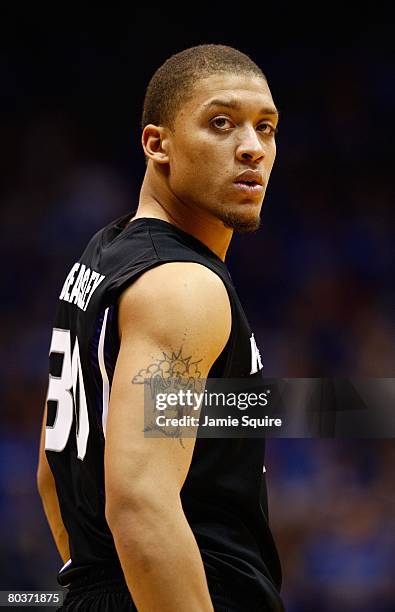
pixel 64 295
pixel 82 288
pixel 76 289
pixel 97 279
pixel 256 361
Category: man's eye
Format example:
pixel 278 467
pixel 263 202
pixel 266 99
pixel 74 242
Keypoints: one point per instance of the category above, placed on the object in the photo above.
pixel 220 123
pixel 267 129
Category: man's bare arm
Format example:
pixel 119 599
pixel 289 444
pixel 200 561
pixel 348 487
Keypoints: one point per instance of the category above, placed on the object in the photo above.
pixel 177 309
pixel 49 498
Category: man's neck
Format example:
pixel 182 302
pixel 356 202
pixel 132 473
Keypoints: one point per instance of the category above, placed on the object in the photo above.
pixel 198 223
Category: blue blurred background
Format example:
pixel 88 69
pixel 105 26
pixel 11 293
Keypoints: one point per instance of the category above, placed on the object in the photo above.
pixel 316 280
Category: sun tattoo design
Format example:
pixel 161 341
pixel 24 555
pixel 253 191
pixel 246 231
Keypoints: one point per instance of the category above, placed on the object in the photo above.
pixel 168 375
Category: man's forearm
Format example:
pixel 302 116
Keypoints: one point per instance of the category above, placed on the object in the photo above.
pixel 50 503
pixel 49 497
pixel 161 561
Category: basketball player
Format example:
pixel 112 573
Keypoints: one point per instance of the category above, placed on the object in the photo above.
pixel 149 523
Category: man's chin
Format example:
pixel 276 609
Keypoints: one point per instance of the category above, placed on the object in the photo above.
pixel 241 223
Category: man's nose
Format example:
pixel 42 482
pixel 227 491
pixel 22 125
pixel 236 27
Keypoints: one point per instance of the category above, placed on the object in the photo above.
pixel 250 147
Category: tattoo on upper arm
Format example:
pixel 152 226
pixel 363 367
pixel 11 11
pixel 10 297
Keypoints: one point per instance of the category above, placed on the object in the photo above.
pixel 173 372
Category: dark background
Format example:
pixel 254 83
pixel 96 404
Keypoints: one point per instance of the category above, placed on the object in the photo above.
pixel 316 281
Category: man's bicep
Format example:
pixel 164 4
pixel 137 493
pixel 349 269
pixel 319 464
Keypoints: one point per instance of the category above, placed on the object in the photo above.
pixel 136 465
pixel 178 334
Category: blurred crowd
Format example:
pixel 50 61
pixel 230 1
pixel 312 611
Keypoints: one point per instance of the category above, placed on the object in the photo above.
pixel 332 513
pixel 316 282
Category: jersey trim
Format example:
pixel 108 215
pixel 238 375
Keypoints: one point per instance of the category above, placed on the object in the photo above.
pixel 103 371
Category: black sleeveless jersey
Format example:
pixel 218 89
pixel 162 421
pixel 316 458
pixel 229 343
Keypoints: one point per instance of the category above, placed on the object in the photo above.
pixel 224 495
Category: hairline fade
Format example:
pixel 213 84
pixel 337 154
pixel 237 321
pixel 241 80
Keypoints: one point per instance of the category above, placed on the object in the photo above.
pixel 173 82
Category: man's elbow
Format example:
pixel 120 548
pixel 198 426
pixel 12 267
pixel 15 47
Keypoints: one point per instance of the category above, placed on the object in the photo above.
pixel 130 513
pixel 121 511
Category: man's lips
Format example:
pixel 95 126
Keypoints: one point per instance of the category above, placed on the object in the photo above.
pixel 249 182
pixel 250 188
pixel 250 177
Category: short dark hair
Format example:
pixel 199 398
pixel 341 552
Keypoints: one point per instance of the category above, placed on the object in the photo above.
pixel 172 84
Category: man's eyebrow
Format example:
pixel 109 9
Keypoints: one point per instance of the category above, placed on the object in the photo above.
pixel 235 104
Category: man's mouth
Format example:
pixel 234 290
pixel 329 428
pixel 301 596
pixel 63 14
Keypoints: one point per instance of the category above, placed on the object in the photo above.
pixel 250 182
pixel 251 187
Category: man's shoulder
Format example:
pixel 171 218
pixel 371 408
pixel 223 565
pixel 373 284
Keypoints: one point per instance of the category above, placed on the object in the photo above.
pixel 176 297
pixel 125 251
pixel 182 282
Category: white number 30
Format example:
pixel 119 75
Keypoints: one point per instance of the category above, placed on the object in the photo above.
pixel 63 390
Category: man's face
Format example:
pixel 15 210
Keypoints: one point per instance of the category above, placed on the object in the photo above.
pixel 226 129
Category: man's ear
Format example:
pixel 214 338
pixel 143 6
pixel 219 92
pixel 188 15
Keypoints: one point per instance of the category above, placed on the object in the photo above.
pixel 155 143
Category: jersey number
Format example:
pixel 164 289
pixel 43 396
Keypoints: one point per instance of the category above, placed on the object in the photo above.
pixel 63 390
